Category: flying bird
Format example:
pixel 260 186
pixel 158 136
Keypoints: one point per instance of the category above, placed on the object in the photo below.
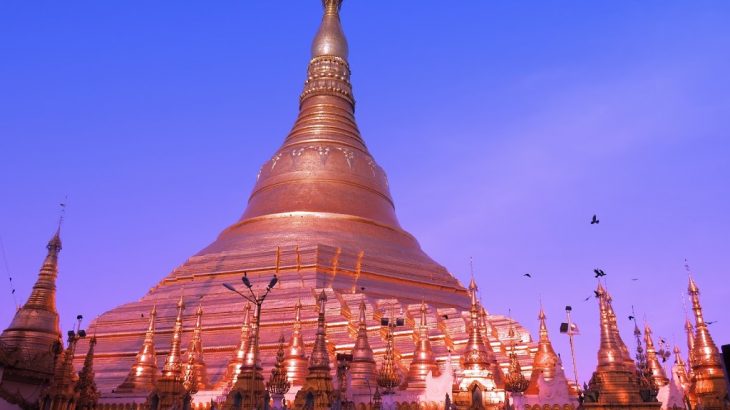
pixel 587 299
pixel 634 279
pixel 711 323
pixel 599 272
pixel 598 295
pixel 595 220
pixel 528 275
pixel 631 317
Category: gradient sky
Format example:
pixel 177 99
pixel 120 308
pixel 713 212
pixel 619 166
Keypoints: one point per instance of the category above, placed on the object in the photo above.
pixel 503 127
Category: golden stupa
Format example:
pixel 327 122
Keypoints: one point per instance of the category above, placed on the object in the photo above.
pixel 321 217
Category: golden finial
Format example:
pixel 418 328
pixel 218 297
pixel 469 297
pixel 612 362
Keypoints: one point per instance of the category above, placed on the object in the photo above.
pixel 173 365
pixel 362 368
pixel 707 368
pixel 424 361
pixel 389 377
pixel 143 374
pixel 515 382
pixel 332 7
pixel 296 361
pixel 652 360
pixel 195 373
pixel 320 357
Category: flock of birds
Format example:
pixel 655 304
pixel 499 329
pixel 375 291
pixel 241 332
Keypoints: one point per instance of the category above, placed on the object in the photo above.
pixel 600 273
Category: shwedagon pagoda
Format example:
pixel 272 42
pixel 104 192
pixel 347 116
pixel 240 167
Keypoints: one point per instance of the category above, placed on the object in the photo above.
pixel 357 317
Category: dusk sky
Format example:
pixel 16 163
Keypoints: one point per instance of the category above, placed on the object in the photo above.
pixel 503 127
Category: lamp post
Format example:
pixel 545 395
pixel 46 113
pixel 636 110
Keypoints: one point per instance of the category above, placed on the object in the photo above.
pixel 257 300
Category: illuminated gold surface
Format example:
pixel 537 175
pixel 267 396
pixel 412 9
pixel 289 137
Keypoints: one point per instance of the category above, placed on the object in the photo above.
pixel 321 217
pixel 29 344
pixel 708 383
pixel 195 372
pixel 296 359
pixel 317 387
pixel 239 355
pixel 278 383
pixel 652 360
pixel 424 361
pixel 545 361
pixel 614 384
pixel 363 372
pixel 143 374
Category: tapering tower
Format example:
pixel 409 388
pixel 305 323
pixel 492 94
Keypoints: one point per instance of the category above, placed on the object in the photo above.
pixel 143 374
pixel 652 360
pixel 62 388
pixel 679 370
pixel 30 345
pixel 195 372
pixel 424 361
pixel 709 383
pixel 296 359
pixel 317 387
pixel 614 384
pixel 476 387
pixel 248 390
pixel 320 198
pixel 278 384
pixel 88 394
pixel 239 355
pixel 363 372
pixel 548 384
pixel 515 382
pixel 170 390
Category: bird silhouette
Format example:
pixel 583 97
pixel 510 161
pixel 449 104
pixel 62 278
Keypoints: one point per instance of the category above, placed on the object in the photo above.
pixel 712 323
pixel 587 299
pixel 634 279
pixel 445 316
pixel 595 220
pixel 528 275
pixel 631 317
pixel 598 295
pixel 599 272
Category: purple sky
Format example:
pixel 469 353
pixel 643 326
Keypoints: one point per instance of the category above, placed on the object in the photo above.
pixel 503 127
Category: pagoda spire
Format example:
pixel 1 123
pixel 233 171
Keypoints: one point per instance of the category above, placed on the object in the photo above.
pixel 680 370
pixel 35 328
pixel 652 361
pixel 143 374
pixel 484 327
pixel 615 382
pixel 545 361
pixel 278 384
pixel 62 387
pixel 362 368
pixel 475 355
pixel 295 358
pixel 389 375
pixel 708 377
pixel 88 394
pixel 173 363
pixel 424 361
pixel 195 372
pixel 318 383
pixel 239 355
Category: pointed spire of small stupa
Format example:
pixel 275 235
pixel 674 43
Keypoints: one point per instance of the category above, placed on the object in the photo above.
pixel 173 363
pixel 320 359
pixel 708 378
pixel 295 358
pixel 679 370
pixel 143 374
pixel 545 361
pixel 388 375
pixel 86 385
pixel 278 383
pixel 318 383
pixel 35 327
pixel 515 382
pixel 652 360
pixel 424 361
pixel 475 355
pixel 611 351
pixel 195 372
pixel 362 368
pixel 239 355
